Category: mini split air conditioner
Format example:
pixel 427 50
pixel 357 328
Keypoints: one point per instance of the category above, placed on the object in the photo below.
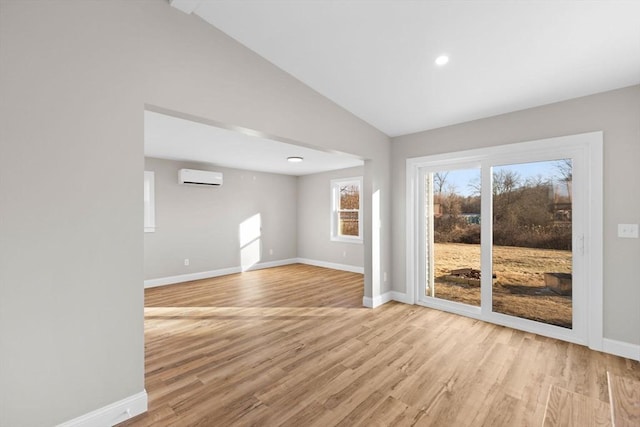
pixel 191 176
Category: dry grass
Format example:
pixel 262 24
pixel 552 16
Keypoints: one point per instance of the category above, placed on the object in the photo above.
pixel 518 289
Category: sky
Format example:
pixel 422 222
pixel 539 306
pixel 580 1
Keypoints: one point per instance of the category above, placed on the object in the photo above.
pixel 460 179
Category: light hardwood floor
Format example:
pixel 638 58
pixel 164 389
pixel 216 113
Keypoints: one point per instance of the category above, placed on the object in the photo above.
pixel 293 346
pixel 625 400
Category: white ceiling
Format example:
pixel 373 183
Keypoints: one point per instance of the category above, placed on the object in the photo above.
pixel 376 58
pixel 174 138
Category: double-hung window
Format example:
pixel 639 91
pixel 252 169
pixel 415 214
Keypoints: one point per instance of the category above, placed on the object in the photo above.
pixel 346 210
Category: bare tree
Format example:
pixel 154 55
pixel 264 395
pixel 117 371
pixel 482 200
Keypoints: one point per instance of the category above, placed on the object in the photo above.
pixel 537 181
pixel 475 186
pixel 565 170
pixel 505 181
pixel 439 180
pixel 349 197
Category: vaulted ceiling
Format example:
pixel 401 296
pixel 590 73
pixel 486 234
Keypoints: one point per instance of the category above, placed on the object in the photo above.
pixel 376 58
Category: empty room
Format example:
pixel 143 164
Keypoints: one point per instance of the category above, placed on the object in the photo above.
pixel 354 213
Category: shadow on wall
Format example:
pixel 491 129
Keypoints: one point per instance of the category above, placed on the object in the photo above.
pixel 250 246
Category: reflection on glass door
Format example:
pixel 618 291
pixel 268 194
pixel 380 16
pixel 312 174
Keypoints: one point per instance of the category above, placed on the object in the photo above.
pixel 453 235
pixel 532 241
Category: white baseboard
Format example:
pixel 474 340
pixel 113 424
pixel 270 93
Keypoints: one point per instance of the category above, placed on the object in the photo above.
pixel 401 297
pixel 620 348
pixel 272 264
pixel 376 301
pixel 162 281
pixel 385 298
pixel 112 414
pixel 332 265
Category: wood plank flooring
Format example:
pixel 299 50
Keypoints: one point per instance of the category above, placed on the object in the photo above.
pixel 565 408
pixel 625 400
pixel 293 346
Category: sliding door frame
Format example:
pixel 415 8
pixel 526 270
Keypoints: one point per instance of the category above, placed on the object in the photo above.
pixel 587 241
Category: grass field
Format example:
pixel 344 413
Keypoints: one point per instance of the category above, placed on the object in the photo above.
pixel 518 288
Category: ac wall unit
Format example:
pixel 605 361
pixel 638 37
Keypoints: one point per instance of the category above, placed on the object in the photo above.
pixel 191 176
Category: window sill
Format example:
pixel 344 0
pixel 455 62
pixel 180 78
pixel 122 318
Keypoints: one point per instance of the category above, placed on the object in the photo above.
pixel 357 240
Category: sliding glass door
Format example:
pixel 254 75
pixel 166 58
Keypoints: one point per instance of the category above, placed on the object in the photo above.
pixel 499 234
pixel 532 257
pixel 452 235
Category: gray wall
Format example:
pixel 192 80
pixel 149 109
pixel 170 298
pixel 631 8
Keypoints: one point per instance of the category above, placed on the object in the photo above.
pixel 75 77
pixel 617 113
pixel 202 223
pixel 314 219
pixel 71 156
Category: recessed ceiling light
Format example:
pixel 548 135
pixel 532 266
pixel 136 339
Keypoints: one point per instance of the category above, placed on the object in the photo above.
pixel 295 159
pixel 442 60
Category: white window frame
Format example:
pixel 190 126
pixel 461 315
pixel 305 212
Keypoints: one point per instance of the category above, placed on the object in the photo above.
pixel 335 213
pixel 588 302
pixel 149 202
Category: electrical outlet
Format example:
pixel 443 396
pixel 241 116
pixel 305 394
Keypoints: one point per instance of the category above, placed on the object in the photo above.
pixel 344 254
pixel 270 251
pixel 629 231
pixel 186 262
pixel 384 276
